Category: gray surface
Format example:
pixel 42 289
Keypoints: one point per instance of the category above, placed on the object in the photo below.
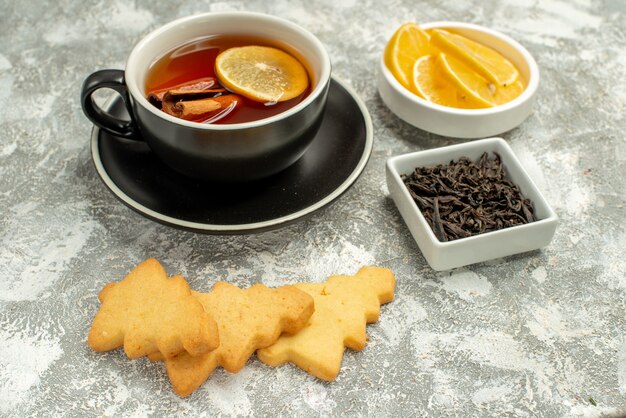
pixel 536 334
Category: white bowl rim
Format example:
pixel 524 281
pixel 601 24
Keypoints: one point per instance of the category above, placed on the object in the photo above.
pixel 527 94
pixel 484 143
pixel 324 77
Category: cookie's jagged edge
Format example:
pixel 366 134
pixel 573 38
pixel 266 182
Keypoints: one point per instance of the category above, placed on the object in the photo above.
pixel 344 305
pixel 147 312
pixel 247 320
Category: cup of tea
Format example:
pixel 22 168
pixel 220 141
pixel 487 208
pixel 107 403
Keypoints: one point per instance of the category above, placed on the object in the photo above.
pixel 171 73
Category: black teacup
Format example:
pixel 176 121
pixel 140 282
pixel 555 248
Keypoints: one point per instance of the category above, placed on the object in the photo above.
pixel 226 152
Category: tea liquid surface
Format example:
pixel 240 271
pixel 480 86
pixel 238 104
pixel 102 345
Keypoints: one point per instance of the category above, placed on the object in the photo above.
pixel 196 59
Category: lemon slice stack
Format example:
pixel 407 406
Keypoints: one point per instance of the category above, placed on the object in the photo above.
pixel 450 69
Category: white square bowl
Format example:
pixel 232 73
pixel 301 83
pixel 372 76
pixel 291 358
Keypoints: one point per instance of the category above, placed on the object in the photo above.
pixel 477 248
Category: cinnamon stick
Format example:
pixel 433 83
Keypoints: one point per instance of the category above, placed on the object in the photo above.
pixel 205 84
pixel 203 109
pixel 182 94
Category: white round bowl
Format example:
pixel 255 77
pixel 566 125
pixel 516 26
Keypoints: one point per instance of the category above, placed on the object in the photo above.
pixel 465 123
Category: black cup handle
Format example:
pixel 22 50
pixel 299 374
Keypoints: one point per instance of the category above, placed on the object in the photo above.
pixel 113 79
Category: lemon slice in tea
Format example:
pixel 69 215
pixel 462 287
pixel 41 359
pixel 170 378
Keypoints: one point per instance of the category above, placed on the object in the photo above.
pixel 261 73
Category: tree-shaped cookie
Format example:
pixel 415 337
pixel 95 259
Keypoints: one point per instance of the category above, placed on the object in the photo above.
pixel 343 307
pixel 247 320
pixel 148 312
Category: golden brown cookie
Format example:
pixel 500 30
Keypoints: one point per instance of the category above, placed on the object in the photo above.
pixel 247 320
pixel 343 307
pixel 148 312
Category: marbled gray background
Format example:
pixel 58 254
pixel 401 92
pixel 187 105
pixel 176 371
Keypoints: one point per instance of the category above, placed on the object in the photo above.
pixel 537 334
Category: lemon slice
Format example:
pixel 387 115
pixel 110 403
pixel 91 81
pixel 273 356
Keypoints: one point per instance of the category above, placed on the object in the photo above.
pixel 486 62
pixel 430 82
pixel 477 88
pixel 261 73
pixel 406 46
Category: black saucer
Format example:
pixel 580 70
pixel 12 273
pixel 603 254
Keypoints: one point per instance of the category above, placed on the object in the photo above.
pixel 328 168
